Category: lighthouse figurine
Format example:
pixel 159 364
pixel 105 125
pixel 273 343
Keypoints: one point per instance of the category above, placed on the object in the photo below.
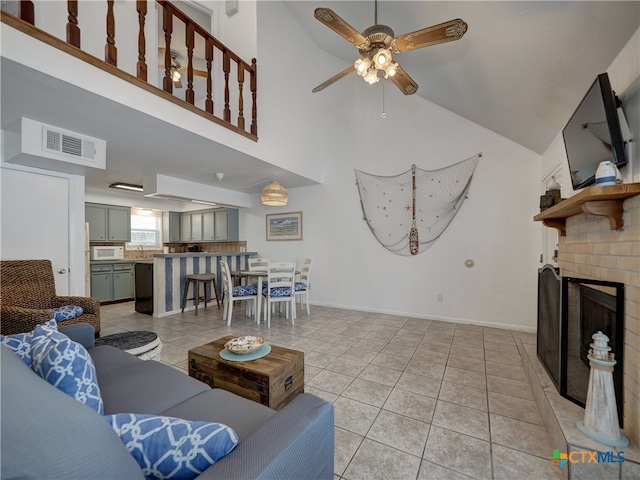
pixel 601 413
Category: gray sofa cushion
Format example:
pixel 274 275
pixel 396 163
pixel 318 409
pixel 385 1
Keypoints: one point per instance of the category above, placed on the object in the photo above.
pixel 131 385
pixel 244 416
pixel 47 434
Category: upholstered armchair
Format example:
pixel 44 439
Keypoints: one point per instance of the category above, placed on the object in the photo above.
pixel 28 295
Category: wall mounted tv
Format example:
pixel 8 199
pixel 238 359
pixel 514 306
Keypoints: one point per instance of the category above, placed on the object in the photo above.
pixel 593 134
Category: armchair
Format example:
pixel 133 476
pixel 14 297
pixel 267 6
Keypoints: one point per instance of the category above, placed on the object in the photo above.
pixel 28 293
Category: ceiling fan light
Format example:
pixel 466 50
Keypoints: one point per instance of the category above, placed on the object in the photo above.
pixel 274 195
pixel 382 58
pixel 175 75
pixel 362 66
pixel 372 76
pixel 391 69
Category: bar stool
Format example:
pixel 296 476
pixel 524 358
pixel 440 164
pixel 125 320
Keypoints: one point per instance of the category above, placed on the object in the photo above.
pixel 197 278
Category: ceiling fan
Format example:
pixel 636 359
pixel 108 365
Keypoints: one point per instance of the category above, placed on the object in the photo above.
pixel 177 69
pixel 377 43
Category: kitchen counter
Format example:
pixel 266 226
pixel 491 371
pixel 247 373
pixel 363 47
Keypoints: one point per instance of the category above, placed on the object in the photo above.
pixel 170 271
pixel 199 254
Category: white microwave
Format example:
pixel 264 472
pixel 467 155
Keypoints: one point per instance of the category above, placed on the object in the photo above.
pixel 107 253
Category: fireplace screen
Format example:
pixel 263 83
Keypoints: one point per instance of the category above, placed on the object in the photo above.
pixel 570 311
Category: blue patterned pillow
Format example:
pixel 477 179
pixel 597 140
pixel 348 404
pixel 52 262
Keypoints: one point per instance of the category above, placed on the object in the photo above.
pixel 277 292
pixel 300 286
pixel 66 313
pixel 20 343
pixel 167 447
pixel 66 365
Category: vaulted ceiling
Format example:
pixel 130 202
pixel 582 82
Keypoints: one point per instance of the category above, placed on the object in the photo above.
pixel 520 70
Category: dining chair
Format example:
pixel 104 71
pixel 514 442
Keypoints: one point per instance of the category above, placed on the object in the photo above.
pixel 235 293
pixel 279 287
pixel 304 285
pixel 258 263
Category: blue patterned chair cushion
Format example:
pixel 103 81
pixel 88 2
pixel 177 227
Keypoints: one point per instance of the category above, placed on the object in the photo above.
pixel 66 365
pixel 167 447
pixel 300 287
pixel 277 292
pixel 66 313
pixel 245 290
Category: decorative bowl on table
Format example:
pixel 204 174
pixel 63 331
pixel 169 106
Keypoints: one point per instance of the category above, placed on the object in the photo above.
pixel 244 345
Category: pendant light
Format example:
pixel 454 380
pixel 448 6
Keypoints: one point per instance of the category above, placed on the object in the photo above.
pixel 274 195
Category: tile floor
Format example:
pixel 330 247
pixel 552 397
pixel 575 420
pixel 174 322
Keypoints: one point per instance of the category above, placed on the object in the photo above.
pixel 414 399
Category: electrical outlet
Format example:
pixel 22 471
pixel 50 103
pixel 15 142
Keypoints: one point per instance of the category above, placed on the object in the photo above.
pixel 440 297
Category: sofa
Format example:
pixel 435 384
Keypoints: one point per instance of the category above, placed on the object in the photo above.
pixel 46 433
pixel 28 296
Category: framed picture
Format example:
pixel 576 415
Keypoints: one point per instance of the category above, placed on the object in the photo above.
pixel 284 226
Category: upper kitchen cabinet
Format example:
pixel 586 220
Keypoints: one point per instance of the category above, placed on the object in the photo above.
pixel 171 226
pixel 215 225
pixel 108 223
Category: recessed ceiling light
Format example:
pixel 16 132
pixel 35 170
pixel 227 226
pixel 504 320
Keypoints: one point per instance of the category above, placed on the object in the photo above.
pixel 127 186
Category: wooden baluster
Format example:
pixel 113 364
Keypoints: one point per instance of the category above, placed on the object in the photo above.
pixel 27 12
pixel 189 97
pixel 73 32
pixel 253 85
pixel 240 97
pixel 208 104
pixel 141 66
pixel 167 27
pixel 110 50
pixel 226 68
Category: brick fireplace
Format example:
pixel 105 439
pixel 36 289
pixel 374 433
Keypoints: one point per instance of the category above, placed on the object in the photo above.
pixel 599 240
pixel 591 249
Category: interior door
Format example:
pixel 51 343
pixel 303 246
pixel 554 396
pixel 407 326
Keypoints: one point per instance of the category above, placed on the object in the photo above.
pixel 35 221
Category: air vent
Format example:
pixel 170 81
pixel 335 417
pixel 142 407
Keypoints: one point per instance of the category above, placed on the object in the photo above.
pixel 70 145
pixel 35 144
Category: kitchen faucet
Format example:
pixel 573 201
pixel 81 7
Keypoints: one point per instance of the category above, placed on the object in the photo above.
pixel 141 248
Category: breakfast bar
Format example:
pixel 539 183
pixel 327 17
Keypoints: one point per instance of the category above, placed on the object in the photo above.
pixel 171 269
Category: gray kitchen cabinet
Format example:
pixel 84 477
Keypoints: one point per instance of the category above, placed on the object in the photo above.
pixel 185 227
pixel 112 281
pixel 196 226
pixel 191 227
pixel 119 221
pixel 108 223
pixel 208 226
pixel 215 225
pixel 122 281
pixel 171 226
pixel 102 282
pixel 96 216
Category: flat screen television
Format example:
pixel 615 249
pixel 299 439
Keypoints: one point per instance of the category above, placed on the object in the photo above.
pixel 593 133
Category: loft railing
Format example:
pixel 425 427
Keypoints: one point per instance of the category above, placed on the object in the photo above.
pixel 221 64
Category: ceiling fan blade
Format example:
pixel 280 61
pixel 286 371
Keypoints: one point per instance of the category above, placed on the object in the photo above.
pixel 199 73
pixel 335 78
pixel 177 83
pixel 441 33
pixel 404 82
pixel 342 28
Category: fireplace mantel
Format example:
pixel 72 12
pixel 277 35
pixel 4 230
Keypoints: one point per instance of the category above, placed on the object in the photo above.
pixel 602 201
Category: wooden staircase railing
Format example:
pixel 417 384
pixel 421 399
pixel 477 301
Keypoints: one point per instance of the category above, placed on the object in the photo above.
pixel 216 55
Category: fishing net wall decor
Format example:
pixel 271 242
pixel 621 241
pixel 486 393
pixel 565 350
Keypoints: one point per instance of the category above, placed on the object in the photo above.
pixel 408 212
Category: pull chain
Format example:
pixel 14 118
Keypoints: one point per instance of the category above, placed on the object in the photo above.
pixel 384 114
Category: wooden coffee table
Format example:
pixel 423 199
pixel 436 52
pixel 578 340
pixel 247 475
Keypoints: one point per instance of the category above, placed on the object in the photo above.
pixel 273 380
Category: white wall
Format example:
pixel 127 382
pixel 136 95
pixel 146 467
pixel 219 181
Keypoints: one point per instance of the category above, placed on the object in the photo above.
pixel 494 226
